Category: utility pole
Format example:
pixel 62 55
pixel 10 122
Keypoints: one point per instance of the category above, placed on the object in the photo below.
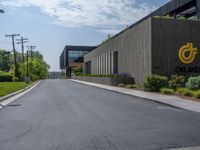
pixel 31 50
pixel 27 78
pixel 14 51
pixel 22 41
pixel 27 74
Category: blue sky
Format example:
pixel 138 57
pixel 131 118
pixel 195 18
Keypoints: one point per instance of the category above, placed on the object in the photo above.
pixel 52 24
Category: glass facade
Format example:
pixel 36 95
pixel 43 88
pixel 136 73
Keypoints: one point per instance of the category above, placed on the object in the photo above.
pixel 188 13
pixel 71 59
pixel 76 56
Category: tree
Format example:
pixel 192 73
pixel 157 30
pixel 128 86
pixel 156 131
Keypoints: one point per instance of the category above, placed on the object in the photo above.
pixel 5 60
pixel 38 68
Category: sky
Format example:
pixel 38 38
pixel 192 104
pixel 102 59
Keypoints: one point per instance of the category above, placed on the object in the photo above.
pixel 52 24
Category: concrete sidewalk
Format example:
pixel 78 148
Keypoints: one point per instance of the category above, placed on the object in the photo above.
pixel 168 100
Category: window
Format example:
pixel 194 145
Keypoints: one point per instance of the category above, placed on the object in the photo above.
pixel 188 13
pixel 76 56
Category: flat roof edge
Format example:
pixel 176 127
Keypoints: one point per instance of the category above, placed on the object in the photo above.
pixel 153 13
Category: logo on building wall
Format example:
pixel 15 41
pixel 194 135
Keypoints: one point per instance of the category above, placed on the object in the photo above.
pixel 187 53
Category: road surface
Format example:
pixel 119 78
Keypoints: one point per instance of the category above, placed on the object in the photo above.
pixel 63 115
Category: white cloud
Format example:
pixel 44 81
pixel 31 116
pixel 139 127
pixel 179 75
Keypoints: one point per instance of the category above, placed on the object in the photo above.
pixel 105 15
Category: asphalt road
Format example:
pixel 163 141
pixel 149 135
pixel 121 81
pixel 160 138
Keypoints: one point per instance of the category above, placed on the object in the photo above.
pixel 63 115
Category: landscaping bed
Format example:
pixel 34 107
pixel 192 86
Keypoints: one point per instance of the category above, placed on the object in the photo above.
pixel 185 87
pixel 11 87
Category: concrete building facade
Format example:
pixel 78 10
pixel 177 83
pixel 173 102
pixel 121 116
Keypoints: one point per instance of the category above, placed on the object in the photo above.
pixel 154 45
pixel 54 75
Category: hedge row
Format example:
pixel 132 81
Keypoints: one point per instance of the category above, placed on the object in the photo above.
pixel 6 76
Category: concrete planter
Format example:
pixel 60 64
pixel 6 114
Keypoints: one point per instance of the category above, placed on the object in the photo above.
pixel 113 81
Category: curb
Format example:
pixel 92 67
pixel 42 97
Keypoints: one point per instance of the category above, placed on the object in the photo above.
pixel 185 148
pixel 17 92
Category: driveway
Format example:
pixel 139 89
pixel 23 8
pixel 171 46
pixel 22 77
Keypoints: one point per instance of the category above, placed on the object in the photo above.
pixel 64 115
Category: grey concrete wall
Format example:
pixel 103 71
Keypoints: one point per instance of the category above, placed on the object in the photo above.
pixel 152 47
pixel 113 81
pixel 134 52
pixel 168 36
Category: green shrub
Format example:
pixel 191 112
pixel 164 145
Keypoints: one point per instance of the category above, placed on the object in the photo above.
pixel 193 83
pixel 15 79
pixel 34 77
pixel 6 76
pixel 197 94
pixel 188 93
pixel 131 86
pixel 155 82
pixel 121 85
pixel 77 74
pixel 166 91
pixel 181 90
pixel 177 81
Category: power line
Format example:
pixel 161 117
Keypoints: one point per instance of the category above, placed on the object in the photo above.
pixel 31 50
pixel 14 51
pixel 22 41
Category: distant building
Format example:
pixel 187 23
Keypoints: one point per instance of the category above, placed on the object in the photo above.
pixel 165 42
pixel 54 75
pixel 72 58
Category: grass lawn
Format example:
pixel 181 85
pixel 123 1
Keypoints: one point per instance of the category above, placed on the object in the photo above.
pixel 10 87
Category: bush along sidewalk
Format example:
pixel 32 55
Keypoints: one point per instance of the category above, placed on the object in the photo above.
pixel 155 82
pixel 128 86
pixel 177 85
pixel 166 91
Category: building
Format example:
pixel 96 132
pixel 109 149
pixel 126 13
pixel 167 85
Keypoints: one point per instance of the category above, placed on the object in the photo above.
pixel 54 75
pixel 165 42
pixel 72 58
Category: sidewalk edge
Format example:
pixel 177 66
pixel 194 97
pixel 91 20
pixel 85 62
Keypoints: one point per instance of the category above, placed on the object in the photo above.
pixel 3 99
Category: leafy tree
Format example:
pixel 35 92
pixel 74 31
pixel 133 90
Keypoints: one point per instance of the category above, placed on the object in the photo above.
pixel 5 60
pixel 37 67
